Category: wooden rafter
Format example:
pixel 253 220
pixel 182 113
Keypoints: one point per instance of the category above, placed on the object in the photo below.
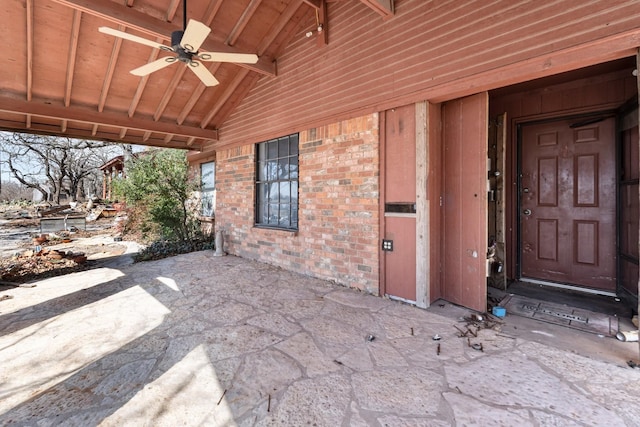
pixel 171 10
pixel 283 20
pixel 115 52
pixel 195 96
pixel 169 91
pixel 131 18
pixel 71 60
pixel 29 49
pixel 105 118
pixel 224 98
pixel 142 84
pixel 44 129
pixel 242 22
pixel 385 8
pixel 212 11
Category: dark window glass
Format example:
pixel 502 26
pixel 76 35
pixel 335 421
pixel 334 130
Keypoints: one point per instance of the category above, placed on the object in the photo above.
pixel 277 183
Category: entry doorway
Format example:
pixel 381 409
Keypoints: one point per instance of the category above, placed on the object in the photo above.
pixel 570 181
pixel 567 202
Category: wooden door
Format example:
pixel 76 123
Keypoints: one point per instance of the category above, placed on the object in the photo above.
pixel 568 196
pixel 399 244
pixel 465 201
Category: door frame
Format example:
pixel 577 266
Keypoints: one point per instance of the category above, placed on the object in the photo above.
pixel 517 196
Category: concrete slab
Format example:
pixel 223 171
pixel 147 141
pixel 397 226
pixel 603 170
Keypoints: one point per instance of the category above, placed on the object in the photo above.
pixel 223 341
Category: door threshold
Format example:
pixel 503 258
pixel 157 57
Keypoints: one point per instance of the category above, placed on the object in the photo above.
pixel 404 300
pixel 569 287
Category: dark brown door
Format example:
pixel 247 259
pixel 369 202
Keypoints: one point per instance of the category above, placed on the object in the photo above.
pixel 465 214
pixel 568 196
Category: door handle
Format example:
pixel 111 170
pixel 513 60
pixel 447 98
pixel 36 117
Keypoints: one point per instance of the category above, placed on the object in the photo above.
pixel 527 212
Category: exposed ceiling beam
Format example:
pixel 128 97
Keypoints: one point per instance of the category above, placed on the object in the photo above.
pixel 105 118
pixel 122 15
pixel 142 84
pixel 277 28
pixel 313 3
pixel 43 129
pixel 383 7
pixel 195 96
pixel 111 67
pixel 232 38
pixel 169 91
pixel 223 98
pixel 71 60
pixel 29 49
pixel 171 11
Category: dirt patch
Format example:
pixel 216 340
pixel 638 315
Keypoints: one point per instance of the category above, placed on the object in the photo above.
pixel 26 255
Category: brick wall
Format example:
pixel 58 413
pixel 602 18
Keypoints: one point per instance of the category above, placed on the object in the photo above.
pixel 338 232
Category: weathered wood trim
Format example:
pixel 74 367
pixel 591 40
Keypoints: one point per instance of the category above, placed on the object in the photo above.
pixel 501 200
pixel 382 158
pixel 422 206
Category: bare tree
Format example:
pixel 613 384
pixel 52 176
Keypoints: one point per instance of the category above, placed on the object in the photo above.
pixel 54 165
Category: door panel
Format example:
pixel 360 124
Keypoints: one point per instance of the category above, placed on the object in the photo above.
pixel 465 201
pixel 399 202
pixel 400 267
pixel 568 203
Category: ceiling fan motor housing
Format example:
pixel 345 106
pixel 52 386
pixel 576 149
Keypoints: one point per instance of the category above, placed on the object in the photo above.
pixel 183 54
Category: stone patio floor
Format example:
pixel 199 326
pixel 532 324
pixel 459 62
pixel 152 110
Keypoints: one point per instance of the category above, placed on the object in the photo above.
pixel 199 340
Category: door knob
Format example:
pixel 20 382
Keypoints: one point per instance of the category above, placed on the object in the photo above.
pixel 527 212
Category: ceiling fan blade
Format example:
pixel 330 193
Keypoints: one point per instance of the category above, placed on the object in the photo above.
pixel 133 38
pixel 194 35
pixel 203 74
pixel 238 58
pixel 156 65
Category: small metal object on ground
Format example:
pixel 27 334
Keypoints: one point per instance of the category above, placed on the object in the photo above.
pixel 221 397
pixel 477 346
pixel 370 338
pixel 269 404
pixel 437 337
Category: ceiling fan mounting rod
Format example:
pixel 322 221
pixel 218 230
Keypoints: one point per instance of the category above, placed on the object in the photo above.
pixel 184 17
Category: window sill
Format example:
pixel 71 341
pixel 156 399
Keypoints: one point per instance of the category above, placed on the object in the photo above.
pixel 283 230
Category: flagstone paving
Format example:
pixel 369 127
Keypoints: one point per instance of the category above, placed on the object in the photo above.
pixel 224 341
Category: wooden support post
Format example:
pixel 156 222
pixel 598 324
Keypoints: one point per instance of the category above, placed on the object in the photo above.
pixel 422 207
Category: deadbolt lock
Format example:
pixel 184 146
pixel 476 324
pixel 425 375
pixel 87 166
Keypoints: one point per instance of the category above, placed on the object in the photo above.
pixel 527 212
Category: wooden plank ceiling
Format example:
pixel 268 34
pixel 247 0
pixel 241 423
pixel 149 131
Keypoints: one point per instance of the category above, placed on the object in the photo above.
pixel 61 76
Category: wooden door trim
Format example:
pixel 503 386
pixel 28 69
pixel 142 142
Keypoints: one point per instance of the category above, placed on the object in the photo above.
pixel 382 137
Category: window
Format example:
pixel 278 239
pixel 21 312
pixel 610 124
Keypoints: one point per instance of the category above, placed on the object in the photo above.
pixel 208 183
pixel 277 183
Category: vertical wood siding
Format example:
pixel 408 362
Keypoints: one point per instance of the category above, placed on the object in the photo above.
pixel 370 64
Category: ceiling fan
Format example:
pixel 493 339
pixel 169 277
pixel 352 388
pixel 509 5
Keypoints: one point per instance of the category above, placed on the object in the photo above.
pixel 184 46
